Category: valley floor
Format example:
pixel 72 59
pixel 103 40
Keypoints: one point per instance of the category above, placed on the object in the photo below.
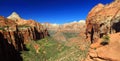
pixel 52 49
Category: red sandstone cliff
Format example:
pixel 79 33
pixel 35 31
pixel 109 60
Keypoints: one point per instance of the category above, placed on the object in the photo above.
pixel 15 33
pixel 104 20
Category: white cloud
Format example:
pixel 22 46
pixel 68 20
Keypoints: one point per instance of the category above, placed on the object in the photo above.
pixel 55 24
pixel 81 21
pixel 74 21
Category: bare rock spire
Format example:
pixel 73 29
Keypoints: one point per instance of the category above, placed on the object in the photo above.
pixel 14 16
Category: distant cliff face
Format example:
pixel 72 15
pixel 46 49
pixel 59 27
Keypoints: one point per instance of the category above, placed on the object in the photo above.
pixel 102 20
pixel 74 26
pixel 15 32
pixel 67 27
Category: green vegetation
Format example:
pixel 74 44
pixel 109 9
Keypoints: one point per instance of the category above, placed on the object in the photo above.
pixel 51 50
pixel 70 34
pixel 66 34
pixel 47 48
pixel 23 26
pixel 105 40
pixel 51 32
pixel 1 28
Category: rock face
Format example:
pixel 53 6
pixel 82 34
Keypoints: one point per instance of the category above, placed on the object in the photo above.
pixel 109 52
pixel 15 33
pixel 104 20
pixel 67 27
pixel 74 26
pixel 8 51
pixel 6 22
pixel 14 16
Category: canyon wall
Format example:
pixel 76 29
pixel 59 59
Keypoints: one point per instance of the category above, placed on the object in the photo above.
pixel 103 20
pixel 103 24
pixel 15 33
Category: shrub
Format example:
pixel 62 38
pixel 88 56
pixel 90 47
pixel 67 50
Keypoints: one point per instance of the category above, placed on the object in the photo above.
pixel 70 34
pixel 105 40
pixel 1 28
pixel 23 26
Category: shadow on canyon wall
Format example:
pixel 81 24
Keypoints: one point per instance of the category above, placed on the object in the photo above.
pixel 12 44
pixel 116 27
pixel 8 51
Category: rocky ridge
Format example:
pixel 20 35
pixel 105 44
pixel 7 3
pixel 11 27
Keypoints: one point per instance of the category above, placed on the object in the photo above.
pixel 104 21
pixel 108 52
pixel 67 27
pixel 15 32
pixel 14 16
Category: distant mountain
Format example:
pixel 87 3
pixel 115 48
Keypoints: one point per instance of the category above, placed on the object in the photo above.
pixel 67 27
pixel 14 16
pixel 20 21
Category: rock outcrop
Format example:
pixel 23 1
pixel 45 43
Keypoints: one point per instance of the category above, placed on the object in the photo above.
pixel 109 52
pixel 104 20
pixel 15 33
pixel 4 22
pixel 14 16
pixel 8 51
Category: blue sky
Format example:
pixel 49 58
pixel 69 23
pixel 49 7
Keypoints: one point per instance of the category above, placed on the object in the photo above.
pixel 52 11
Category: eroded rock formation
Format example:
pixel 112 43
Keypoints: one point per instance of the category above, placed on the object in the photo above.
pixel 109 52
pixel 15 33
pixel 104 20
